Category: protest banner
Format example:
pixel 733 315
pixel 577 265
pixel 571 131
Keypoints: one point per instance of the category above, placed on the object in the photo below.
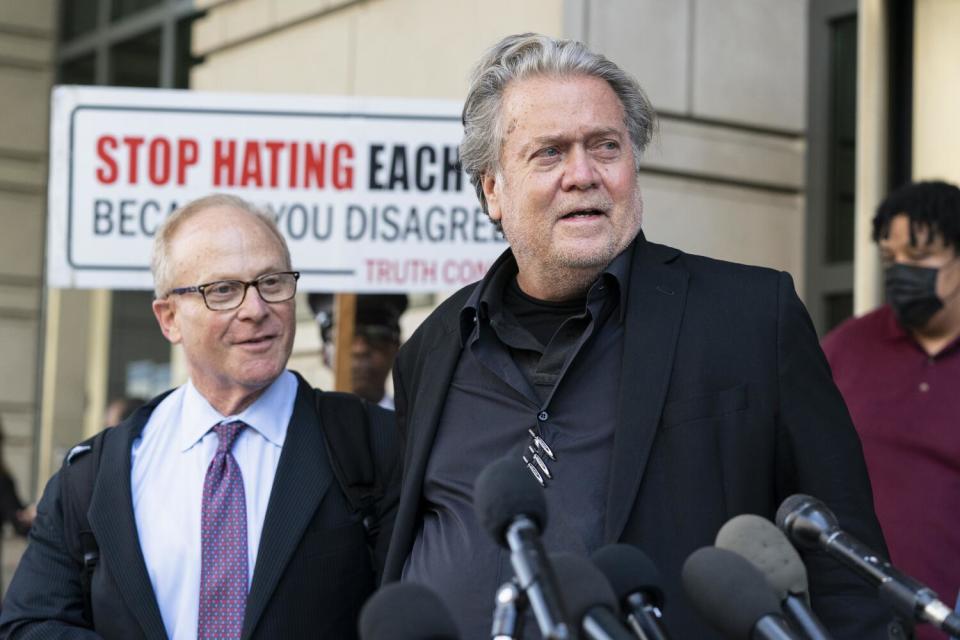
pixel 368 192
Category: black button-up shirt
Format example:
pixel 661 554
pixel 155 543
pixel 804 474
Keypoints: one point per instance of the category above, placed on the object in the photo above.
pixel 507 382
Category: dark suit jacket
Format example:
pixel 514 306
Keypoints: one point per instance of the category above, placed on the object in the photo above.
pixel 314 568
pixel 726 407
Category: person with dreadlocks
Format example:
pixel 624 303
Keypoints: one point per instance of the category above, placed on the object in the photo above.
pixel 898 368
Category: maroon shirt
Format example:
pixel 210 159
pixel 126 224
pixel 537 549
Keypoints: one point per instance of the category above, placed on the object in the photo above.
pixel 906 408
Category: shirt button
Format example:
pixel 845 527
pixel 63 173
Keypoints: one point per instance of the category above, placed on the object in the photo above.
pixel 543 416
pixel 924 387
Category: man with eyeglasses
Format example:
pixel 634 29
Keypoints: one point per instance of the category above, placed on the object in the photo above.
pixel 226 507
pixel 376 339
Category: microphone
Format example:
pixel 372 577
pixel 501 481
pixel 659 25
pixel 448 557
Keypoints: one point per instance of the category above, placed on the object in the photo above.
pixel 513 510
pixel 733 596
pixel 636 584
pixel 811 525
pixel 406 611
pixel 766 548
pixel 589 598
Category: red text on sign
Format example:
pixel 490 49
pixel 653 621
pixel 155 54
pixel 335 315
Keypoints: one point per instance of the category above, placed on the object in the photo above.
pixel 134 159
pixel 278 163
pixel 452 272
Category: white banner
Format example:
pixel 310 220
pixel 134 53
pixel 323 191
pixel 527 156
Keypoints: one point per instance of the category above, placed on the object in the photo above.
pixel 368 192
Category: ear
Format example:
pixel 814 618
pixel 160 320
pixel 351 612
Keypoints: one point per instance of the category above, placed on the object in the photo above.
pixel 165 310
pixel 491 193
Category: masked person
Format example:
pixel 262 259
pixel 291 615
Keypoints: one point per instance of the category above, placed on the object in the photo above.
pixel 376 338
pixel 898 368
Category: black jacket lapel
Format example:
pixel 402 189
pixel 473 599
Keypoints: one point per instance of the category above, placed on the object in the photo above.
pixel 114 527
pixel 303 478
pixel 432 374
pixel 658 288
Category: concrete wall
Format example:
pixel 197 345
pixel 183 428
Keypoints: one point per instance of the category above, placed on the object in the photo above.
pixel 936 91
pixel 26 48
pixel 398 48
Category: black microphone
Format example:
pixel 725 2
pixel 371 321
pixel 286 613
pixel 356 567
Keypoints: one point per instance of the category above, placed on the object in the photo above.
pixel 811 525
pixel 511 507
pixel 589 598
pixel 636 583
pixel 766 548
pixel 733 596
pixel 406 611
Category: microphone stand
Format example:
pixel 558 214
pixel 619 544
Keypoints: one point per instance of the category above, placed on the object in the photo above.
pixel 645 618
pixel 796 609
pixel 508 615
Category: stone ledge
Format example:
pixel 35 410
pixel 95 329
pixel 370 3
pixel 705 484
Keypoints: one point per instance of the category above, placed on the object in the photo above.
pixel 231 22
pixel 727 153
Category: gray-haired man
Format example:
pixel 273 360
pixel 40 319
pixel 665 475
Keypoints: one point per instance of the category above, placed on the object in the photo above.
pixel 655 394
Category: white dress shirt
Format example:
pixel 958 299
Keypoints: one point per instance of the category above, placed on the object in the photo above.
pixel 169 464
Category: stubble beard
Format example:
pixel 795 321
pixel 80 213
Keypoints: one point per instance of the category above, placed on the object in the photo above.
pixel 568 269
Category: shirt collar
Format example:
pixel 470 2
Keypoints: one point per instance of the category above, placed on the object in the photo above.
pixel 490 290
pixel 477 305
pixel 618 271
pixel 892 329
pixel 269 415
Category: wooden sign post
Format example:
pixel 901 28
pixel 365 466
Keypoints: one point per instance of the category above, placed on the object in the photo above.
pixel 345 311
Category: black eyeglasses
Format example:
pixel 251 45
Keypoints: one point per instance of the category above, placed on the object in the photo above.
pixel 378 337
pixel 224 295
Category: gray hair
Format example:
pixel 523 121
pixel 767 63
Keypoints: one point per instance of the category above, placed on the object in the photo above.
pixel 527 55
pixel 160 260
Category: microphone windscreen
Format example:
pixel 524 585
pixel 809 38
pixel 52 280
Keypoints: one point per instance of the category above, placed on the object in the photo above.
pixel 504 490
pixel 629 570
pixel 406 611
pixel 729 592
pixel 806 521
pixel 791 506
pixel 759 541
pixel 582 586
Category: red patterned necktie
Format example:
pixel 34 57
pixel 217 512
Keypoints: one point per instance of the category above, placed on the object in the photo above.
pixel 223 568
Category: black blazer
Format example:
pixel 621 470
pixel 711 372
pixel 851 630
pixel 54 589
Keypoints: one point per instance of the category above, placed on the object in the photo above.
pixel 727 406
pixel 314 567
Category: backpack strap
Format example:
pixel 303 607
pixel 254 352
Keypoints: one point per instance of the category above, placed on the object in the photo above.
pixel 350 451
pixel 77 477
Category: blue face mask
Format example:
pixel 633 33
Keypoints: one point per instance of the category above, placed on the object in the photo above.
pixel 912 292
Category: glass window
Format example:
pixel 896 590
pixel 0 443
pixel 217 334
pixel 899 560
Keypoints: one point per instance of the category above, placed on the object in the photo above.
pixel 77 17
pixel 139 355
pixel 80 70
pixel 183 58
pixel 837 307
pixel 843 140
pixel 136 62
pixel 123 8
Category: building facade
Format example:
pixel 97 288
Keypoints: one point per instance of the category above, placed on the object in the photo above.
pixel 782 124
